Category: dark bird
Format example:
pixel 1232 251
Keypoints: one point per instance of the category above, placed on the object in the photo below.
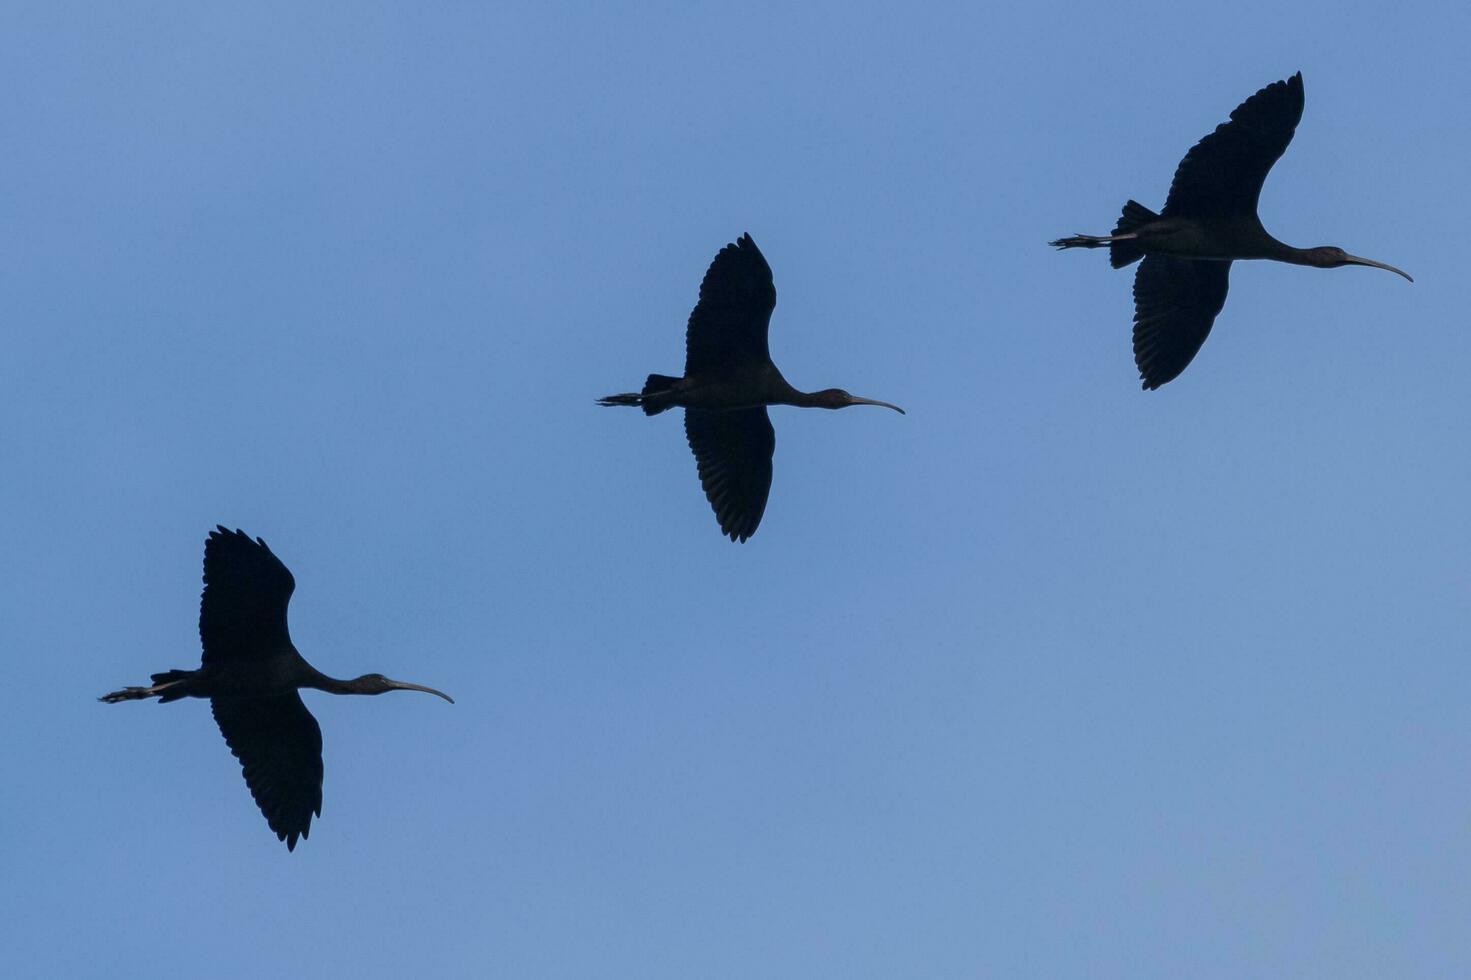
pixel 1209 220
pixel 251 673
pixel 728 381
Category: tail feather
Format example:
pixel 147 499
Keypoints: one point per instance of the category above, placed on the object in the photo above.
pixel 169 677
pixel 658 384
pixel 1123 245
pixel 1122 252
pixel 649 399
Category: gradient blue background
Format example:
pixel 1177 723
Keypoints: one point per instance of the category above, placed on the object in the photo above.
pixel 1049 678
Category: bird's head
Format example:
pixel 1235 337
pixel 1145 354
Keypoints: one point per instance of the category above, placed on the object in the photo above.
pixel 1331 257
pixel 378 684
pixel 838 398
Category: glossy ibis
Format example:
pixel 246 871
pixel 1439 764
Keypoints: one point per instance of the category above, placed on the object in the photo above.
pixel 1209 220
pixel 251 673
pixel 728 381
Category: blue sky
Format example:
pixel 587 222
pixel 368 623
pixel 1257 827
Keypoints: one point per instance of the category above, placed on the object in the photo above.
pixel 1050 677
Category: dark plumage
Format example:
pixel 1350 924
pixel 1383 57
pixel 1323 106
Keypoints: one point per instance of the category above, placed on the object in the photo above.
pixel 250 671
pixel 1209 220
pixel 728 381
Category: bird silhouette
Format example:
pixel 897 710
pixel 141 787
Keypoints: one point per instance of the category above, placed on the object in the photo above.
pixel 729 380
pixel 1209 220
pixel 251 673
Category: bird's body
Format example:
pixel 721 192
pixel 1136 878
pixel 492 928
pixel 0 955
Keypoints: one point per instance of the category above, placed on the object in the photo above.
pixel 1209 221
pixel 746 386
pixel 750 385
pixel 251 673
pixel 1221 241
pixel 728 382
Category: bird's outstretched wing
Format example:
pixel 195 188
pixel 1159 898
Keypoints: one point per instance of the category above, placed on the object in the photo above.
pixel 1175 303
pixel 1222 175
pixel 733 450
pixel 242 614
pixel 728 325
pixel 279 745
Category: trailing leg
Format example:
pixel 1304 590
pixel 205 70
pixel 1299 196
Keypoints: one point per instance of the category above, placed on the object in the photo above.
pixel 1123 245
pixel 168 686
pixel 1084 241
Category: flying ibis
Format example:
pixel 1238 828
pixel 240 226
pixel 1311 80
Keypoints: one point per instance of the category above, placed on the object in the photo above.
pixel 729 380
pixel 251 674
pixel 1209 221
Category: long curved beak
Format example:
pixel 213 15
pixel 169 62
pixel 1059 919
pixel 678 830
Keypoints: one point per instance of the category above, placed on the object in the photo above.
pixel 406 686
pixel 1355 260
pixel 855 400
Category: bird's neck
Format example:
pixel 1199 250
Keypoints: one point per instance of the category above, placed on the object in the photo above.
pixel 1282 252
pixel 801 399
pixel 332 685
pixel 775 389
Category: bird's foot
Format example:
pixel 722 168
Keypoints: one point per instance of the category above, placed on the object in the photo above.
pixel 1082 241
pixel 128 694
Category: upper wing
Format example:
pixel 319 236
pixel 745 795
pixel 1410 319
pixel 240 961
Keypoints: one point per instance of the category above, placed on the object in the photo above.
pixel 728 325
pixel 242 614
pixel 1223 173
pixel 279 745
pixel 733 450
pixel 1175 303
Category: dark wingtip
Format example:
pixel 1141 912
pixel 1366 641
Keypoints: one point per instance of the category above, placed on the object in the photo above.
pixel 221 532
pixel 1157 379
pixel 738 533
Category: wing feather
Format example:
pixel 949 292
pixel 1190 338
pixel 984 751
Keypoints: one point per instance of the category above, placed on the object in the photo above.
pixel 279 745
pixel 1222 175
pixel 733 451
pixel 728 326
pixel 1175 303
pixel 242 613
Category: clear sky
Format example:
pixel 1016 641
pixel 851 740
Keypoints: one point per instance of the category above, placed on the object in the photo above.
pixel 1049 678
